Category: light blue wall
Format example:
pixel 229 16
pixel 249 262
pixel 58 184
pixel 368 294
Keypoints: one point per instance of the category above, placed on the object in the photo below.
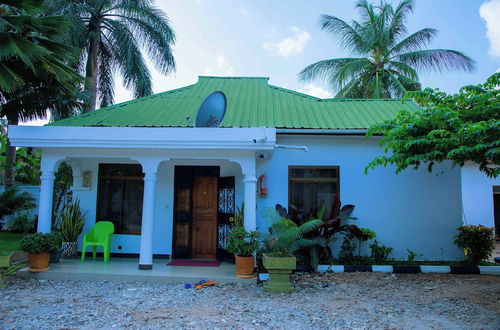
pixel 414 210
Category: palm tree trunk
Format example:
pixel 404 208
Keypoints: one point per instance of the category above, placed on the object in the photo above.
pixel 91 74
pixel 10 159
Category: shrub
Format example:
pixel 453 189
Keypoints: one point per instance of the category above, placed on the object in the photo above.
pixel 22 222
pixel 477 241
pixel 39 243
pixel 72 221
pixel 380 252
pixel 242 243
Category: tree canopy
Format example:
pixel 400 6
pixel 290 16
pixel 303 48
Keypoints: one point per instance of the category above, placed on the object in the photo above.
pixel 386 58
pixel 113 36
pixel 463 127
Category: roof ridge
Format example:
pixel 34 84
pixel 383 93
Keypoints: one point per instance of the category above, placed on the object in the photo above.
pixel 291 91
pixel 231 77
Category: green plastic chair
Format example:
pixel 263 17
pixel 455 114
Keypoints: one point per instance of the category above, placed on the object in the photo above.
pixel 99 235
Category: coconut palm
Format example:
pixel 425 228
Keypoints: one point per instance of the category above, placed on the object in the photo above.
pixel 112 34
pixel 34 70
pixel 387 58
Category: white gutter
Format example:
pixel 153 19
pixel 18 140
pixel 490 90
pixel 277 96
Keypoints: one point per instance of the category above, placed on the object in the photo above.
pixel 361 131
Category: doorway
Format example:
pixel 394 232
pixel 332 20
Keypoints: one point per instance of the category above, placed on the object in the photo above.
pixel 204 218
pixel 203 213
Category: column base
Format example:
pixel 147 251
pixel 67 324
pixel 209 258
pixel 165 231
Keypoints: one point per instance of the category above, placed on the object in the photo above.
pixel 145 267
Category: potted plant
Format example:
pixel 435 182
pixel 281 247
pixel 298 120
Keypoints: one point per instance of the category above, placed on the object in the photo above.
pixel 285 238
pixel 243 245
pixel 55 256
pixel 39 246
pixel 72 221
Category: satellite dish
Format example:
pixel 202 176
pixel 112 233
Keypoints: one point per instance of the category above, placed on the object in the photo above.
pixel 212 110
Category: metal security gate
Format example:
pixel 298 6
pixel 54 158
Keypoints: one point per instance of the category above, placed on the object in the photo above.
pixel 226 208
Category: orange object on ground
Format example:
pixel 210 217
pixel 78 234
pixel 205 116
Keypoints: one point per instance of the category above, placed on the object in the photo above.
pixel 198 287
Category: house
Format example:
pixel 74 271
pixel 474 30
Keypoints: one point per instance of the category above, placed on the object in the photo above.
pixel 171 169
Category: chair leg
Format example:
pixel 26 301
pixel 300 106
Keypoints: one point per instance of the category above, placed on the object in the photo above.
pixel 94 250
pixel 84 247
pixel 105 248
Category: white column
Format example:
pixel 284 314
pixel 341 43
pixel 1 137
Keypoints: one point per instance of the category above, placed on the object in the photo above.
pixel 148 209
pixel 45 207
pixel 250 192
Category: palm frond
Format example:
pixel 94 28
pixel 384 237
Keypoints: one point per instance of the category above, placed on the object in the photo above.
pixel 437 59
pixel 348 36
pixel 415 41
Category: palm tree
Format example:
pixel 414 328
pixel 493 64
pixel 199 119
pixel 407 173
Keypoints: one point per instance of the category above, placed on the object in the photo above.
pixel 112 34
pixel 388 58
pixel 33 67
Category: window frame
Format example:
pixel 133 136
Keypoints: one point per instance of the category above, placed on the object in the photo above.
pixel 124 178
pixel 314 180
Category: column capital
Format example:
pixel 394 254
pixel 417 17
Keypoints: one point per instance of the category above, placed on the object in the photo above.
pixel 47 175
pixel 249 178
pixel 150 176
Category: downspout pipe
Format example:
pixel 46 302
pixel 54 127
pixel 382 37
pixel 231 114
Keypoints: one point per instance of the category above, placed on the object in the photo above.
pixel 283 146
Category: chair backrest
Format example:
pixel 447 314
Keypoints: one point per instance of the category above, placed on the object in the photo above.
pixel 101 230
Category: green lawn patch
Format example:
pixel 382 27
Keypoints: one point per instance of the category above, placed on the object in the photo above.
pixel 10 241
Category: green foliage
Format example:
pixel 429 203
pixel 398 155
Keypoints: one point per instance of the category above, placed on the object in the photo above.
pixel 12 269
pixel 477 241
pixel 72 222
pixel 386 59
pixel 113 36
pixel 286 237
pixel 27 165
pixel 380 253
pixel 412 255
pixel 39 243
pixel 62 191
pixel 462 127
pixel 239 216
pixel 242 243
pixel 22 222
pixel 12 200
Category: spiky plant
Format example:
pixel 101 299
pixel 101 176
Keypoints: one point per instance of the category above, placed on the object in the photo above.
pixel 72 222
pixel 386 59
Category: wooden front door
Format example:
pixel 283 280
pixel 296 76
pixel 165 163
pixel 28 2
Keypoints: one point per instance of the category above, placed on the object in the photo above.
pixel 204 218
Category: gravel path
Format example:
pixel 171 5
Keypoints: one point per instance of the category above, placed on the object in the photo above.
pixel 350 300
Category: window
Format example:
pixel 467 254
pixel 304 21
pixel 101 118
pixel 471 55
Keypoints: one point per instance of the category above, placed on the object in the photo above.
pixel 311 187
pixel 121 188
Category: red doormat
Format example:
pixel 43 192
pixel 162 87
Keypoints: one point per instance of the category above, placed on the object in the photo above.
pixel 195 263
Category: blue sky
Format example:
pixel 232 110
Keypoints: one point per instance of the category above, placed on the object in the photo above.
pixel 277 38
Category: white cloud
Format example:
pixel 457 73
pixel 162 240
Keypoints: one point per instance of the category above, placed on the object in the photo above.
pixel 291 45
pixel 490 12
pixel 221 67
pixel 314 90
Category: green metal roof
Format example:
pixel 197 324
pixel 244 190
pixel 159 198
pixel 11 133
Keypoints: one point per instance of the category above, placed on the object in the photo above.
pixel 251 102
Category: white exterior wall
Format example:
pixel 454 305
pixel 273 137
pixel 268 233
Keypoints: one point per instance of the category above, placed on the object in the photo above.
pixel 163 217
pixel 477 196
pixel 414 210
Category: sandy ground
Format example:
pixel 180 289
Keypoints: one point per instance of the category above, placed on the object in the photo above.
pixel 349 300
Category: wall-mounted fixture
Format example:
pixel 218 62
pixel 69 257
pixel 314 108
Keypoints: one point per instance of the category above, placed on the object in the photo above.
pixel 86 179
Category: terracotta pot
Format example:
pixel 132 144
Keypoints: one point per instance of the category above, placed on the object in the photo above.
pixel 245 267
pixel 38 262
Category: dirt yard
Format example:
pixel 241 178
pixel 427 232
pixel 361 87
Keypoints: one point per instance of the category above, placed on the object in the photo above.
pixel 350 300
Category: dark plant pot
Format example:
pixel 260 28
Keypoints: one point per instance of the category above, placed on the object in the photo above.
pixel 245 267
pixel 69 250
pixel 56 256
pixel 279 269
